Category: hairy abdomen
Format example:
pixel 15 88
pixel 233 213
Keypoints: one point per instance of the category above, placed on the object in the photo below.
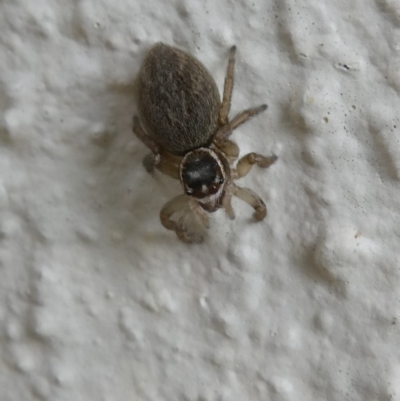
pixel 178 100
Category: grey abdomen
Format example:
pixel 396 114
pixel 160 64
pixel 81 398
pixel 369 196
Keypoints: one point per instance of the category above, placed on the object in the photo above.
pixel 178 100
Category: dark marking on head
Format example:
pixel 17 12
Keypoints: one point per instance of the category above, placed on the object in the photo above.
pixel 201 173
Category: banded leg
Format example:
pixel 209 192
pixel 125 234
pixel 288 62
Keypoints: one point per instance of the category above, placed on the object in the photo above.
pixel 241 118
pixel 250 197
pixel 228 87
pixel 247 162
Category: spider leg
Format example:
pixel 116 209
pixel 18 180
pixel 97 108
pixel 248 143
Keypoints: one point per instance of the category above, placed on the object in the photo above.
pixel 229 148
pixel 227 203
pixel 228 87
pixel 248 161
pixel 164 161
pixel 250 197
pixel 177 204
pixel 138 131
pixel 241 118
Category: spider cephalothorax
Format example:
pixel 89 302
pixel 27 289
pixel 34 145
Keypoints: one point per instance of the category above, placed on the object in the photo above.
pixel 186 127
pixel 203 175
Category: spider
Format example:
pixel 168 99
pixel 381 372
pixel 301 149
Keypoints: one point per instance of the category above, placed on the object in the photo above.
pixel 185 125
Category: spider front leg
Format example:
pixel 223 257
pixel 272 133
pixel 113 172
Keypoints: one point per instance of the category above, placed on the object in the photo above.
pixel 247 162
pixel 162 160
pixel 190 209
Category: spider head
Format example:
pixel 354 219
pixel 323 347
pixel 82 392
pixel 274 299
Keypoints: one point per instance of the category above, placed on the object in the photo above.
pixel 203 176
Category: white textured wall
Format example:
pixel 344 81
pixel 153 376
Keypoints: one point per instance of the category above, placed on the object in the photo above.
pixel 99 302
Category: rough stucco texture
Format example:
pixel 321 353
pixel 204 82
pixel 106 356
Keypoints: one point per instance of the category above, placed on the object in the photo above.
pixel 99 302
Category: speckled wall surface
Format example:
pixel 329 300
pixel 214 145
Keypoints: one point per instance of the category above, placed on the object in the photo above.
pixel 99 302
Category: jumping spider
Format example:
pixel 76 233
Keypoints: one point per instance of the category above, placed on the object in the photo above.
pixel 185 125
